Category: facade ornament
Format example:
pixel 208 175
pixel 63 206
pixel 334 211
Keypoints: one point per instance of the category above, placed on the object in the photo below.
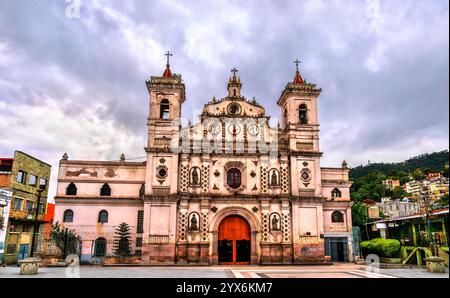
pixel 273 179
pixel 194 223
pixel 274 223
pixel 65 156
pixel 344 165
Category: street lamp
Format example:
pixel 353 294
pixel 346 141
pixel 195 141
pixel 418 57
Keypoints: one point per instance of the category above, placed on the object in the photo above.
pixel 36 225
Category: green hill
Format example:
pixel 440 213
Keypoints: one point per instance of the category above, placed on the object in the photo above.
pixel 426 162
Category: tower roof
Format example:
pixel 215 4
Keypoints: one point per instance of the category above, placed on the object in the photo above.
pixel 167 73
pixel 298 78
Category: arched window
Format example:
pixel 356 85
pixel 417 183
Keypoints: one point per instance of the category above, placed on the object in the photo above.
pixel 71 190
pixel 105 190
pixel 337 216
pixel 164 109
pixel 303 114
pixel 336 193
pixel 142 190
pixel 100 247
pixel 234 178
pixel 103 216
pixel 68 216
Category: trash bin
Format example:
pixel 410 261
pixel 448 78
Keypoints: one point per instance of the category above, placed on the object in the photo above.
pixel 29 266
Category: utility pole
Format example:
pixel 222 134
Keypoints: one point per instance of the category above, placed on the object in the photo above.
pixel 36 225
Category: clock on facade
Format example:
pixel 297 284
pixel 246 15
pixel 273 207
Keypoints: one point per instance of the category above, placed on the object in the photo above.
pixel 253 129
pixel 214 129
pixel 234 129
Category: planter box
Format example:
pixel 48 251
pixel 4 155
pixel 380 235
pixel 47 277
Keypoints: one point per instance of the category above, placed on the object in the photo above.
pixel 29 266
pixel 435 264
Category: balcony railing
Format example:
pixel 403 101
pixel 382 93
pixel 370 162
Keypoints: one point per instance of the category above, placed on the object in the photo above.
pixel 158 239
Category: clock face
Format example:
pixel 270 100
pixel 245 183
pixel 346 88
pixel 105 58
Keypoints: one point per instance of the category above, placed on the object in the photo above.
pixel 234 108
pixel 234 129
pixel 253 129
pixel 214 129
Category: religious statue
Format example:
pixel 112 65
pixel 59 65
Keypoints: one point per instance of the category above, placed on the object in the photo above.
pixel 275 221
pixel 273 180
pixel 195 177
pixel 193 224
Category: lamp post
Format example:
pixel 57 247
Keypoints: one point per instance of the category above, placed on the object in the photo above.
pixel 36 225
pixel 428 222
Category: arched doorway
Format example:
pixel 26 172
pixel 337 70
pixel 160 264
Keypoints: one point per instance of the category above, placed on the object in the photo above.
pixel 234 241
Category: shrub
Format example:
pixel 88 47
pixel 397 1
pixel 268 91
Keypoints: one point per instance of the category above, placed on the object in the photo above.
pixel 386 248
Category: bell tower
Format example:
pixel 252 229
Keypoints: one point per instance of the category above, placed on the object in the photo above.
pixel 234 85
pixel 300 126
pixel 167 94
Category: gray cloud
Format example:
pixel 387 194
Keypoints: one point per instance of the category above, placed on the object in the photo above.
pixel 384 75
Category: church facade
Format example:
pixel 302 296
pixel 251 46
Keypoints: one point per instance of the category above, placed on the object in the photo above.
pixel 230 189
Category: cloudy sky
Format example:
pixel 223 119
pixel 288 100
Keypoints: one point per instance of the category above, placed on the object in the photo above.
pixel 73 80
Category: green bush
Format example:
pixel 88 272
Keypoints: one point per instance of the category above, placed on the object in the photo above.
pixel 387 248
pixel 445 248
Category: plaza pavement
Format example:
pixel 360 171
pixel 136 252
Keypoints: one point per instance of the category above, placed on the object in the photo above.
pixel 317 271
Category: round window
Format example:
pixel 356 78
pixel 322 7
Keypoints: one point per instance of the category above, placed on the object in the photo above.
pixel 234 109
pixel 162 172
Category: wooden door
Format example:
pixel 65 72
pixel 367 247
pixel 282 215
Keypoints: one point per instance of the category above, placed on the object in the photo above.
pixel 234 241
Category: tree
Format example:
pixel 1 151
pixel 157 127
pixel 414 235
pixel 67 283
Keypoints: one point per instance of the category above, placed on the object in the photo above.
pixel 65 239
pixel 359 214
pixel 399 193
pixel 418 174
pixel 443 200
pixel 121 243
pixel 446 170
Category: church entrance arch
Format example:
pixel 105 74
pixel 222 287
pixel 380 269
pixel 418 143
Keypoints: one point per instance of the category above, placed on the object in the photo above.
pixel 234 241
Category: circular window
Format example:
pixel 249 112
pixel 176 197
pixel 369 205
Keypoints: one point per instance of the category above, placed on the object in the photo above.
pixel 305 175
pixel 234 109
pixel 162 172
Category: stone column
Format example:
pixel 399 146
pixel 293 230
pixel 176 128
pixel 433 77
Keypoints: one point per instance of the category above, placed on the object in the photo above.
pixel 214 259
pixel 286 229
pixel 265 240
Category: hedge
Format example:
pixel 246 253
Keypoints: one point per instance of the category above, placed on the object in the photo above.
pixel 387 248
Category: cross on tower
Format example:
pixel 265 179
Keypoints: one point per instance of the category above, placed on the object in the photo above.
pixel 234 71
pixel 297 62
pixel 168 54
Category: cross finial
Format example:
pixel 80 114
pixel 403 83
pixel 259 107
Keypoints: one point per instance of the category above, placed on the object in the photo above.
pixel 297 62
pixel 234 71
pixel 168 54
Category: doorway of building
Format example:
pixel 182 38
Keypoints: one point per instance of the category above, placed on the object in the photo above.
pixel 234 241
pixel 337 248
pixel 23 251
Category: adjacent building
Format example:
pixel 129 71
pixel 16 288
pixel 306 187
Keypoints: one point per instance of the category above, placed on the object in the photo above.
pixel 414 187
pixel 23 175
pixel 230 189
pixel 5 204
pixel 391 184
pixel 398 208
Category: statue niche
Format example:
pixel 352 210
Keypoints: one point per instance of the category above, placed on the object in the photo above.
pixel 195 176
pixel 274 178
pixel 275 222
pixel 193 222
